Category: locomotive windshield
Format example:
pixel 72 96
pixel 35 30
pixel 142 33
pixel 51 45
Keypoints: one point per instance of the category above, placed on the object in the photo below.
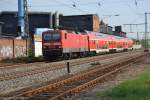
pixel 47 37
pixel 56 36
pixel 52 36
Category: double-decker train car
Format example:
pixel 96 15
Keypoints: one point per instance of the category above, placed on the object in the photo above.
pixel 66 43
pixel 103 43
pixel 97 43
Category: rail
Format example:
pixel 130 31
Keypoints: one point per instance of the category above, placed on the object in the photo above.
pixel 75 84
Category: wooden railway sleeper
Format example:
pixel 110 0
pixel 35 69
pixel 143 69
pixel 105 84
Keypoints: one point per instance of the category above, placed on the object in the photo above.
pixel 82 87
pixel 90 85
pixel 117 69
pixel 25 74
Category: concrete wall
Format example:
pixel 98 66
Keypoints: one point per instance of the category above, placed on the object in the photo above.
pixel 38 48
pixel 11 48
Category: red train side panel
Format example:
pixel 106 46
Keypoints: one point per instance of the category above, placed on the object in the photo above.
pixel 63 43
pixel 72 42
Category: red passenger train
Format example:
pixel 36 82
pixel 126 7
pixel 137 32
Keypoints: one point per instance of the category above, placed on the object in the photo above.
pixel 66 43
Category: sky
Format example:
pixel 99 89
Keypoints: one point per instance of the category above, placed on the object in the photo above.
pixel 129 11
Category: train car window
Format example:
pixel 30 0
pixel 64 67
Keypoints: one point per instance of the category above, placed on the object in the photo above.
pixel 94 42
pixel 97 44
pixel 47 37
pixel 124 43
pixel 114 43
pixel 110 43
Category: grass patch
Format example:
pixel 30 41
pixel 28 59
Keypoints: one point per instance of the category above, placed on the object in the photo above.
pixel 137 89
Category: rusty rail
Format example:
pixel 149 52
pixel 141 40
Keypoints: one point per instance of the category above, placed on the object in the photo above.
pixel 91 78
pixel 91 83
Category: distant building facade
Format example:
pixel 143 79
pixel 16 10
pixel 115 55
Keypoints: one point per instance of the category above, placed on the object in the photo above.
pixel 90 22
pixel 104 28
pixel 36 20
pixel 118 31
pixel 1 24
pixel 81 22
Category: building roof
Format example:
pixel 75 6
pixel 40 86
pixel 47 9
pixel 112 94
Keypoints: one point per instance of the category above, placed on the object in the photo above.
pixel 80 15
pixel 14 12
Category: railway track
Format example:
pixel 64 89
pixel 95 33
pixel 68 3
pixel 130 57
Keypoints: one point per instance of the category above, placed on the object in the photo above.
pixel 77 83
pixel 51 67
pixel 7 66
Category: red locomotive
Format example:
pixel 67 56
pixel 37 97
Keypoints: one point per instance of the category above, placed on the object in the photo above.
pixel 66 43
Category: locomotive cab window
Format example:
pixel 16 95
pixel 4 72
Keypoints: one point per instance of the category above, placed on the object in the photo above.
pixel 47 37
pixel 56 36
pixel 52 36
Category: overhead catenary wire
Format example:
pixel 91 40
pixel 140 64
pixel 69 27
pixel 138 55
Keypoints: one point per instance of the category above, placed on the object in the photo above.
pixel 86 3
pixel 135 2
pixel 131 9
pixel 134 24
pixel 74 4
pixel 8 1
pixel 70 6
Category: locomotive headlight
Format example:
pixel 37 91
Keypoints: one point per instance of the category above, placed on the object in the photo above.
pixel 45 47
pixel 59 46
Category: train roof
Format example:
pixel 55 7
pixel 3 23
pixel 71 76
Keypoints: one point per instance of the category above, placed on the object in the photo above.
pixel 102 35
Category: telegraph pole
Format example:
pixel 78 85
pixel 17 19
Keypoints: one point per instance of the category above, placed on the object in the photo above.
pixel 138 36
pixel 146 33
pixel 26 28
pixel 133 25
pixel 21 21
pixel 23 25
